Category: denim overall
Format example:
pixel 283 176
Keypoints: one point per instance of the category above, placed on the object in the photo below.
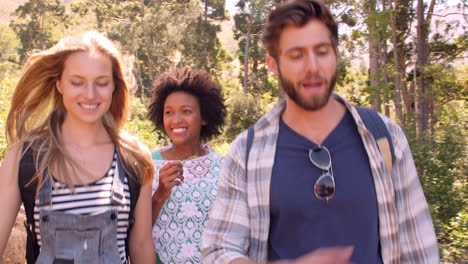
pixel 79 239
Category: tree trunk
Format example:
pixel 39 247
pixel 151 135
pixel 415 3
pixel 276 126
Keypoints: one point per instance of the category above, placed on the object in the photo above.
pixel 383 57
pixel 423 86
pixel 374 66
pixel 398 76
pixel 246 50
pixel 402 20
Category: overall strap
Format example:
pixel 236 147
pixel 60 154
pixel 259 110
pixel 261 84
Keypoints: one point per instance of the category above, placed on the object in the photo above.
pixel 377 127
pixel 117 191
pixel 45 193
pixel 134 189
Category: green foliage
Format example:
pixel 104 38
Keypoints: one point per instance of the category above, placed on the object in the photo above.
pixel 164 34
pixel 201 47
pixel 253 12
pixel 9 44
pixel 39 24
pixel 448 82
pixel 442 170
pixel 243 111
pixel 140 126
pixel 455 236
pixel 144 130
pixel 7 85
pixel 79 8
pixel 214 9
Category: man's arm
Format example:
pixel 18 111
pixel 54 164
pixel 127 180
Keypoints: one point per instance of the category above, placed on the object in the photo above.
pixel 226 237
pixel 418 243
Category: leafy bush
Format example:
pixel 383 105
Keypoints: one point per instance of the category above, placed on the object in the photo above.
pixel 442 169
pixel 455 236
pixel 243 111
pixel 140 126
pixel 6 90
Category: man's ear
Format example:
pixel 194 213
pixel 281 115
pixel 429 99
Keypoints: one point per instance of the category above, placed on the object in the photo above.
pixel 58 85
pixel 272 65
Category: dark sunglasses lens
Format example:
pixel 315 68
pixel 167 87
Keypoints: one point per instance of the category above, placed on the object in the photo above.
pixel 320 157
pixel 324 188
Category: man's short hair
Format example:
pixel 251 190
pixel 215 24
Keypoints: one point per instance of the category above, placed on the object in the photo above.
pixel 296 13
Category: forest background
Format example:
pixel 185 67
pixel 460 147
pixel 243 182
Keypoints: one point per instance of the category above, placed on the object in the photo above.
pixel 404 58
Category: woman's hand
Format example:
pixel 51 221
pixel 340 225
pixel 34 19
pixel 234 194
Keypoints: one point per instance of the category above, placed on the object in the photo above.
pixel 170 175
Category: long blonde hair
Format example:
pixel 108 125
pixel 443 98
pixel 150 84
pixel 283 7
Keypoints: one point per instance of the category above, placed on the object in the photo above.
pixel 37 110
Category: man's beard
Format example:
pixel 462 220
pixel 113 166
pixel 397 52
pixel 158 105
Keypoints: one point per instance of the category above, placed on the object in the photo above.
pixel 312 103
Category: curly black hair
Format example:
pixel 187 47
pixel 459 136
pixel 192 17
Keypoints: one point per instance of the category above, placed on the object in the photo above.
pixel 197 83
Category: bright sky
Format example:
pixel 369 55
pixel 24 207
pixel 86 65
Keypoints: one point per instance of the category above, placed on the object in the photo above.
pixel 231 6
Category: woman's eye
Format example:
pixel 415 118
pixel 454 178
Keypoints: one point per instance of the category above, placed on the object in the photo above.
pixel 186 111
pixel 76 83
pixel 103 84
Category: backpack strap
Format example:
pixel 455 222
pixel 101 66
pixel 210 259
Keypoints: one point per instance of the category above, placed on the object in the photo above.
pixel 250 136
pixel 27 189
pixel 379 131
pixel 134 189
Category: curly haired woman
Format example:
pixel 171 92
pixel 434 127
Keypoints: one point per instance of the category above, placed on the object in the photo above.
pixel 188 106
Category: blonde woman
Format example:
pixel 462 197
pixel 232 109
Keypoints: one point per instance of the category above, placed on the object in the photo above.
pixel 85 183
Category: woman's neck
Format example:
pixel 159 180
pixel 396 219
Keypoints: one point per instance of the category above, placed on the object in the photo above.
pixel 84 136
pixel 183 152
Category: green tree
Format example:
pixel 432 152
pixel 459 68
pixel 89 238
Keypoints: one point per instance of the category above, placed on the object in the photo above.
pixel 201 47
pixel 9 58
pixel 248 26
pixel 7 85
pixel 39 24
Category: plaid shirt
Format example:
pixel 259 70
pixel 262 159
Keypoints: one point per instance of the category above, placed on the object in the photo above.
pixel 239 221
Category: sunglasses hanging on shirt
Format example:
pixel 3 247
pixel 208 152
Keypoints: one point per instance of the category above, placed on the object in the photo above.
pixel 324 187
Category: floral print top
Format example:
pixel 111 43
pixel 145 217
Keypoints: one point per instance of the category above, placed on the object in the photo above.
pixel 178 230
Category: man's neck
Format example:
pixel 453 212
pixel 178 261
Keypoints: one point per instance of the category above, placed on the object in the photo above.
pixel 314 125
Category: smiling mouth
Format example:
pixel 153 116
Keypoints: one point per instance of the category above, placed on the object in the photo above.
pixel 179 130
pixel 89 106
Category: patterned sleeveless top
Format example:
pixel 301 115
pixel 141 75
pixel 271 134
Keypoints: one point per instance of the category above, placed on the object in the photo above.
pixel 91 199
pixel 178 230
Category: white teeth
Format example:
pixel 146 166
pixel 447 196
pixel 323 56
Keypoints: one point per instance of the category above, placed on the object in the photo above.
pixel 89 107
pixel 179 130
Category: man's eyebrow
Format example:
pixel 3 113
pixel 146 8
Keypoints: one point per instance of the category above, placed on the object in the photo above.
pixel 294 48
pixel 320 44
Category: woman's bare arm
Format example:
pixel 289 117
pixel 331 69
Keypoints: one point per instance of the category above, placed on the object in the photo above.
pixel 10 199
